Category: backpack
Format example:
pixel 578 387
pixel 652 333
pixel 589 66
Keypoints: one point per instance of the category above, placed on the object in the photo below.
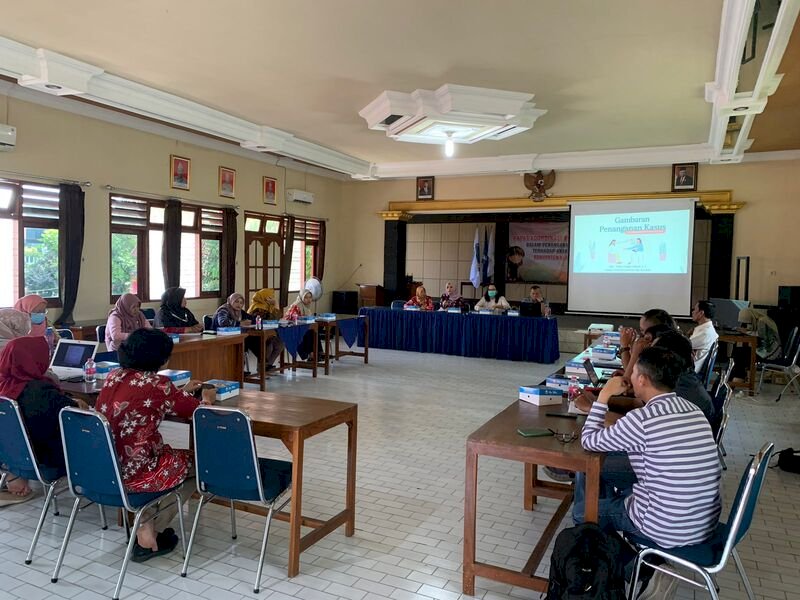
pixel 789 460
pixel 587 564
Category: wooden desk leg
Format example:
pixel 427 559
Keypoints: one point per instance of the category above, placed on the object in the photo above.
pixel 530 480
pixel 350 494
pixel 262 369
pixel 240 362
pixel 328 332
pixel 751 384
pixel 592 492
pixel 296 516
pixel 336 345
pixel 366 340
pixel 470 510
pixel 316 351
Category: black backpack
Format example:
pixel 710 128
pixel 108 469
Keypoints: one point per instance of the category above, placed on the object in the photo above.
pixel 789 460
pixel 587 564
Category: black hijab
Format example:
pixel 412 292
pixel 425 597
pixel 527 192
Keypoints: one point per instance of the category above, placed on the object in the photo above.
pixel 171 313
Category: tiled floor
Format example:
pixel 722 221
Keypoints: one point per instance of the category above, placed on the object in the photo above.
pixel 415 412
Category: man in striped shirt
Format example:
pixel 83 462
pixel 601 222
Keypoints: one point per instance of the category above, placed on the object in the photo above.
pixel 675 500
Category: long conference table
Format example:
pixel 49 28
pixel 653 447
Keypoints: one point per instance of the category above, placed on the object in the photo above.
pixel 532 339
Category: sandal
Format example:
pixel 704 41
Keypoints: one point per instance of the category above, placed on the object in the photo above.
pixel 166 540
pixel 9 498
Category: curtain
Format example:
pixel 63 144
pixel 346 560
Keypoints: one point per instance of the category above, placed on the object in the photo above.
pixel 227 282
pixel 286 259
pixel 70 247
pixel 171 248
pixel 321 252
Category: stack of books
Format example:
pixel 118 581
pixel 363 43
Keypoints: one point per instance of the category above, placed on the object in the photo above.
pixel 411 308
pixel 229 330
pixel 327 317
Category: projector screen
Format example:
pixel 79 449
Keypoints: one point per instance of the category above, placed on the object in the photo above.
pixel 630 256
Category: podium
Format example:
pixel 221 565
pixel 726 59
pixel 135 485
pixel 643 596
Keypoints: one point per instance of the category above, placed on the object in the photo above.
pixel 370 294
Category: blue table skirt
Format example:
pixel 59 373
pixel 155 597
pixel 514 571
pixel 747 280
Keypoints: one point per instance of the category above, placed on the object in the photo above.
pixel 484 336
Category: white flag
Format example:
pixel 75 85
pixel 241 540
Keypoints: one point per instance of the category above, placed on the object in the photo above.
pixel 475 269
pixel 490 266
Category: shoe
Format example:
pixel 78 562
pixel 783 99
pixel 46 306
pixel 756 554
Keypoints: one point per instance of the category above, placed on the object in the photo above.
pixel 560 475
pixel 166 540
pixel 660 587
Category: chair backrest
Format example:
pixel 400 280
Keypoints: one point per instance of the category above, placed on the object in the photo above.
pixel 397 304
pixel 744 504
pixel 100 330
pixel 92 465
pixel 708 364
pixel 16 452
pixel 723 425
pixel 208 322
pixel 791 339
pixel 149 313
pixel 794 353
pixel 65 334
pixel 229 428
pixel 109 356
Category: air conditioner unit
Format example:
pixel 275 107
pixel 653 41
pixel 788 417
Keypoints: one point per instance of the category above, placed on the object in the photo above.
pixel 8 138
pixel 299 196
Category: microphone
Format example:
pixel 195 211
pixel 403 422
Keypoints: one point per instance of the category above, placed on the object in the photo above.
pixel 788 383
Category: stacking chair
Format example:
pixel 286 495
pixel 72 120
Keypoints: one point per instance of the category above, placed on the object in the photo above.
pixel 787 363
pixel 208 322
pixel 65 334
pixel 18 458
pixel 398 304
pixel 93 473
pixel 708 365
pixel 149 314
pixel 100 330
pixel 710 558
pixel 249 478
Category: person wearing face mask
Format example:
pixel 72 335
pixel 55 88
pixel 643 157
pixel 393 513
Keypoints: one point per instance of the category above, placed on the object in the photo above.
pixel 125 318
pixel 492 301
pixel 35 307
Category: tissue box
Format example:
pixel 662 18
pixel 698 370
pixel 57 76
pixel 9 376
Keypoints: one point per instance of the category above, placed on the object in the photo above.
pixel 104 367
pixel 601 327
pixel 512 313
pixel 540 395
pixel 229 330
pixel 454 310
pixel 225 389
pixel 327 317
pixel 411 308
pixel 602 353
pixel 306 320
pixel 178 377
pixel 174 337
pixel 486 311
pixel 270 324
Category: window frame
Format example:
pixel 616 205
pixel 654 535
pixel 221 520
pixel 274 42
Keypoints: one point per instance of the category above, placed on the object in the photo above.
pixel 142 232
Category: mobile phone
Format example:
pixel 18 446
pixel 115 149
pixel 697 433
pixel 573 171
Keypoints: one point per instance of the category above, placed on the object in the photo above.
pixel 198 393
pixel 534 432
pixel 562 415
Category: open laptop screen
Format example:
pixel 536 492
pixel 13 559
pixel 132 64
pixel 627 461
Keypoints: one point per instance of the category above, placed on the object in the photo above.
pixel 72 355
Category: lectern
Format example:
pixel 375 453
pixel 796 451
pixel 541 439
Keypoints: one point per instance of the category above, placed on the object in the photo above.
pixel 370 294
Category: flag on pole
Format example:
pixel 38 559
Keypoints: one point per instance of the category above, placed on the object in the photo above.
pixel 485 261
pixel 490 268
pixel 475 269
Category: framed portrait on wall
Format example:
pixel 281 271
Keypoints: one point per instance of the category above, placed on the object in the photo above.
pixel 227 182
pixel 425 188
pixel 684 177
pixel 180 172
pixel 270 190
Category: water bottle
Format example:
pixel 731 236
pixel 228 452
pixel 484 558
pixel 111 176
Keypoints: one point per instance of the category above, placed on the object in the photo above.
pixel 89 370
pixel 574 389
pixel 606 341
pixel 50 337
pixel 258 323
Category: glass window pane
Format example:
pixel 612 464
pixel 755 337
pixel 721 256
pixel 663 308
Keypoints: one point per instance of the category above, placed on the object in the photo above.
pixel 41 261
pixel 273 226
pixel 190 264
pixel 124 263
pixel 156 214
pixel 296 275
pixel 209 257
pixel 252 224
pixel 187 218
pixel 9 267
pixel 6 196
pixel 309 262
pixel 155 273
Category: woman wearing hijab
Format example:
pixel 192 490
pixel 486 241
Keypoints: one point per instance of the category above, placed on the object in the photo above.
pixel 125 318
pixel 769 342
pixel 301 307
pixel 13 324
pixel 451 298
pixel 232 313
pixel 265 306
pixel 35 307
pixel 23 368
pixel 173 315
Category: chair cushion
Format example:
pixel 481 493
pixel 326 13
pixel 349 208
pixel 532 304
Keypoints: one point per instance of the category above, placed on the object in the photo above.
pixel 276 476
pixel 135 499
pixel 705 555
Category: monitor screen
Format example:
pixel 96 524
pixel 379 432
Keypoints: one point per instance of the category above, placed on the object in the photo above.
pixel 72 355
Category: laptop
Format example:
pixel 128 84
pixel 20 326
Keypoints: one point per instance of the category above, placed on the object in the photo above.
pixel 70 356
pixel 596 378
pixel 530 309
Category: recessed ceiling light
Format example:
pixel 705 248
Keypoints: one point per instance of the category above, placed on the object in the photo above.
pixel 449 146
pixel 740 108
pixel 52 86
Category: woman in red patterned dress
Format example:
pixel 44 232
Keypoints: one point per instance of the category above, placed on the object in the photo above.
pixel 135 399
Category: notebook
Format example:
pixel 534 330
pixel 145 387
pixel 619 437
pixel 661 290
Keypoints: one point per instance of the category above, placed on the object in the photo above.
pixel 70 356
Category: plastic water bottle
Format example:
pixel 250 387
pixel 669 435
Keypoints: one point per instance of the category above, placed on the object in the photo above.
pixel 606 341
pixel 574 389
pixel 89 371
pixel 258 323
pixel 49 335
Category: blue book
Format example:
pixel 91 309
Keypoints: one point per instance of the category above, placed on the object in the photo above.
pixel 411 308
pixel 327 317
pixel 104 367
pixel 454 309
pixel 540 395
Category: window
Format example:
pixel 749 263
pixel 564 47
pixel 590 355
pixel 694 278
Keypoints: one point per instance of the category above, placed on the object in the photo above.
pixel 29 259
pixel 305 253
pixel 137 239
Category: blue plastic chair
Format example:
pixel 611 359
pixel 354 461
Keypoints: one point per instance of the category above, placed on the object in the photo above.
pixel 65 334
pixel 93 473
pixel 149 313
pixel 208 322
pixel 711 557
pixel 100 330
pixel 19 459
pixel 249 478
pixel 397 304
pixel 707 369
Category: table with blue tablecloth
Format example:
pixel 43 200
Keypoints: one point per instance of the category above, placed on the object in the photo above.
pixel 477 335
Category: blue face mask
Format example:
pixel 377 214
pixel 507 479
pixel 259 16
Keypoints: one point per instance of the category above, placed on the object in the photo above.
pixel 38 318
pixel 492 293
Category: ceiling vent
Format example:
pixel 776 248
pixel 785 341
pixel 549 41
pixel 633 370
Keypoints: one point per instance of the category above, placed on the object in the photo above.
pixel 461 113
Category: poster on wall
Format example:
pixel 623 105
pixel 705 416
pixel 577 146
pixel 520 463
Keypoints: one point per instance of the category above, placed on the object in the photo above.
pixel 537 252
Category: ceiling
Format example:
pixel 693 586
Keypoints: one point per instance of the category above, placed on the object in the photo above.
pixel 611 74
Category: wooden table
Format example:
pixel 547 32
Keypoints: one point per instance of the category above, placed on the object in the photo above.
pixel 331 329
pixel 752 341
pixel 498 437
pixel 86 330
pixel 263 335
pixel 210 356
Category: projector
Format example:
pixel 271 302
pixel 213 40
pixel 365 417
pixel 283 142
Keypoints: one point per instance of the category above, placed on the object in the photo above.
pixel 8 138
